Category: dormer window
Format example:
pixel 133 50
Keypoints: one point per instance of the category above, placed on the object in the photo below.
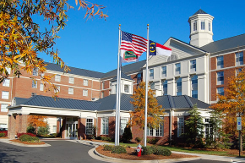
pixel 202 25
pixel 195 25
pixel 126 88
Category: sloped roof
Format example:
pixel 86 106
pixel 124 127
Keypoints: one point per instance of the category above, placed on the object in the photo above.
pixel 109 102
pixel 75 71
pixel 19 100
pixel 123 76
pixel 182 101
pixel 200 11
pixel 66 103
pixel 225 44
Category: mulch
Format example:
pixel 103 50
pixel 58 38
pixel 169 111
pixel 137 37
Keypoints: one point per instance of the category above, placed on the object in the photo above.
pixel 28 143
pixel 131 155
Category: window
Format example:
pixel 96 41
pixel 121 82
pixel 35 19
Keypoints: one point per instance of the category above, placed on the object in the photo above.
pixel 208 129
pixel 6 82
pixel 35 71
pixel 164 71
pixel 5 95
pixel 139 78
pixel 179 86
pixel 177 69
pixel 70 91
pixel 239 58
pixel 202 25
pixel 180 126
pixel 102 94
pixel 103 85
pixel 195 25
pixel 54 128
pixel 193 65
pixel 220 62
pixel 238 71
pixel 85 82
pixel 57 78
pixel 165 87
pixel 8 70
pixel 151 73
pixel 220 78
pixel 41 86
pixel 126 88
pixel 155 132
pixel 89 127
pixel 105 125
pixel 152 85
pixel 71 80
pixel 194 86
pixel 85 92
pixel 209 26
pixel 57 89
pixel 4 108
pixel 220 91
pixel 34 84
pixel 123 125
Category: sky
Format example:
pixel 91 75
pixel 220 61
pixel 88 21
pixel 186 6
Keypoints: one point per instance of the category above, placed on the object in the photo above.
pixel 93 44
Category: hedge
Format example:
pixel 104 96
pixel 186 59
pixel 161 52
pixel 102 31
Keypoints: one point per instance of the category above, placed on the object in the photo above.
pixel 28 138
pixel 3 133
pixel 30 134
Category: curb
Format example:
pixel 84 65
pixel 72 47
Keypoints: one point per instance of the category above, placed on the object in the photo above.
pixel 24 145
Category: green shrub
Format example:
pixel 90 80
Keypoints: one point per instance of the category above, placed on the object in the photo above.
pixel 163 151
pixel 2 134
pixel 108 147
pixel 98 138
pixel 106 138
pixel 147 150
pixel 28 138
pixel 152 141
pixel 138 139
pixel 127 134
pixel 118 149
pixel 31 129
pixel 43 130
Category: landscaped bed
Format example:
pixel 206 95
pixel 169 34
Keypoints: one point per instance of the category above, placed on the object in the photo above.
pixel 27 143
pixel 131 154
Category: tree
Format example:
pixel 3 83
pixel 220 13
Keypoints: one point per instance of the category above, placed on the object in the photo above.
pixel 21 38
pixel 37 121
pixel 231 104
pixel 195 125
pixel 127 134
pixel 154 111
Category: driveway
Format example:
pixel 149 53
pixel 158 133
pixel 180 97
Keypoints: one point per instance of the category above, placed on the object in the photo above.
pixel 58 152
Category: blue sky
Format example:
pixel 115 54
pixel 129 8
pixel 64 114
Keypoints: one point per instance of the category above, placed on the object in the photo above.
pixel 93 44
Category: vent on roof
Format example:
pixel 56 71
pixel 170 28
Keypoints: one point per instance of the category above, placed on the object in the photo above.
pixel 173 57
pixel 33 94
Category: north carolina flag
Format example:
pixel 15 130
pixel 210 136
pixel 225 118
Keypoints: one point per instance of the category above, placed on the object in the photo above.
pixel 158 49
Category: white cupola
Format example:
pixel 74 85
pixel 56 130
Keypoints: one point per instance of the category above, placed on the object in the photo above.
pixel 201 32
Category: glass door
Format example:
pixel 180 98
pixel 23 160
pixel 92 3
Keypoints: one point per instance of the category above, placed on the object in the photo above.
pixel 71 129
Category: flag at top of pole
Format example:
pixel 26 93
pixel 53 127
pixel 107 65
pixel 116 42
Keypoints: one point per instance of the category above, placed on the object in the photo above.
pixel 158 49
pixel 132 47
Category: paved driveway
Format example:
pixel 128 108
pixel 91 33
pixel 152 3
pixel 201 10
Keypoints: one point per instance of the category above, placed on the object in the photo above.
pixel 58 152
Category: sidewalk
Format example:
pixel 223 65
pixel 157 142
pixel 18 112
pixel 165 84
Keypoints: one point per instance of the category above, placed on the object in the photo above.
pixel 23 145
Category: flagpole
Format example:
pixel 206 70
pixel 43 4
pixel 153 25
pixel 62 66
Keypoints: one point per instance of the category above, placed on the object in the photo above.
pixel 118 93
pixel 146 87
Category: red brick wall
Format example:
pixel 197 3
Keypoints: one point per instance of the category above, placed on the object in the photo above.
pixel 213 63
pixel 229 60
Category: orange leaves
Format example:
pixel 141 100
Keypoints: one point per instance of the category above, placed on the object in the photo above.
pixel 37 121
pixel 154 111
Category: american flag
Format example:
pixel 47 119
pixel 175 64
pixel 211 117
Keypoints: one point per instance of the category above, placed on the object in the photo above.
pixel 131 42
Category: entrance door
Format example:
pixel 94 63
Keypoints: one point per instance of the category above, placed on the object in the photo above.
pixel 71 128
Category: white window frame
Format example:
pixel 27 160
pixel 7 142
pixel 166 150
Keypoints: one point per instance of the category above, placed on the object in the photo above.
pixel 164 71
pixel 35 71
pixel 195 25
pixel 85 92
pixel 165 82
pixel 202 25
pixel 220 62
pixel 239 58
pixel 85 82
pixel 54 128
pixel 5 95
pixel 57 78
pixel 126 88
pixel 177 90
pixel 104 131
pixel 70 91
pixel 152 85
pixel 4 107
pixel 192 85
pixel 180 124
pixel 219 77
pixel 153 132
pixel 151 74
pixel 207 125
pixel 193 65
pixel 223 92
pixel 177 69
pixel 6 82
pixel 87 127
pixel 34 84
pixel 8 70
pixel 58 89
pixel 41 86
pixel 123 125
pixel 71 80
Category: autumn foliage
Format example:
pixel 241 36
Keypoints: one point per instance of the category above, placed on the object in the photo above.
pixel 37 121
pixel 154 111
pixel 232 104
